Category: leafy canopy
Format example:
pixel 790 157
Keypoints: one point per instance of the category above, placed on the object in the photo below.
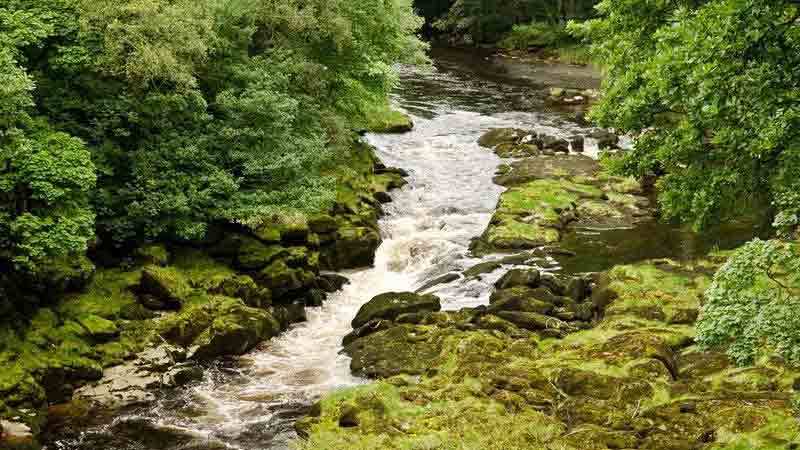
pixel 711 90
pixel 151 119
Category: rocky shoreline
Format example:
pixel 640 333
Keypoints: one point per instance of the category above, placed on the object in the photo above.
pixel 153 322
pixel 602 360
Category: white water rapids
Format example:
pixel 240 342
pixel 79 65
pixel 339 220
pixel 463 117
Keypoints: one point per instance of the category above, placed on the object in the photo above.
pixel 426 233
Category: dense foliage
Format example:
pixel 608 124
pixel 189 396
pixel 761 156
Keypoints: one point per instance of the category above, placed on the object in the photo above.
pixel 487 21
pixel 137 120
pixel 751 306
pixel 711 90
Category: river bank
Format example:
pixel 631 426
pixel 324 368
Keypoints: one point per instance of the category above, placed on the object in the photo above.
pixel 155 319
pixel 602 360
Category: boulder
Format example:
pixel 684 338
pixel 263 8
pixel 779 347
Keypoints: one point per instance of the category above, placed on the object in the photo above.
pixel 331 282
pixel 535 321
pixel 245 288
pixel 402 349
pixel 16 436
pixel 165 287
pixel 235 329
pixel 519 277
pixel 498 136
pixel 352 247
pixel 444 279
pixel 520 303
pixel 98 328
pixel 153 254
pixel 392 304
pixel 255 255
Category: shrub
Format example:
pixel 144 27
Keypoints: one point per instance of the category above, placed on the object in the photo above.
pixel 751 307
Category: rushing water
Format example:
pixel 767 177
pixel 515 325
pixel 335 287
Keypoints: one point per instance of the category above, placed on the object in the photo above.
pixel 252 403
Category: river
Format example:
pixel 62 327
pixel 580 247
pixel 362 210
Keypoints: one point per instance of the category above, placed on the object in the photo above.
pixel 251 403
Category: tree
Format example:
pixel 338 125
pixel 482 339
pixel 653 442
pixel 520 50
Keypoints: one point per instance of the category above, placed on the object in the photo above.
pixel 751 307
pixel 711 91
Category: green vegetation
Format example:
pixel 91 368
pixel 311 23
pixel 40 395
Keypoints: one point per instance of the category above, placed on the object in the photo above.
pixel 456 381
pixel 139 120
pixel 710 91
pixel 751 307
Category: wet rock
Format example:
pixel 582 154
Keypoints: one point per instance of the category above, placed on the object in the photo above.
pixel 605 139
pixel 161 358
pixel 554 143
pixel 578 289
pixel 352 247
pixel 163 287
pixel 576 143
pixel 331 282
pixel 16 436
pixel 373 326
pixel 536 322
pixel 182 374
pixel 390 305
pixel 498 136
pixel 518 301
pixel 552 283
pixel 482 268
pixel 444 279
pixel 121 386
pixel 519 277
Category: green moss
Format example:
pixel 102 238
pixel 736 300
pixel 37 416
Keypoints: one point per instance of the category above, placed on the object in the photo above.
pixel 510 233
pixel 387 120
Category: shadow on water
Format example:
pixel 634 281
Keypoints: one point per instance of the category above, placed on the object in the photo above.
pixel 598 250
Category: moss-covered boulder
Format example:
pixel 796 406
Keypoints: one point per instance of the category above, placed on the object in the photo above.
pixel 392 304
pixel 234 330
pixel 403 349
pixel 519 277
pixel 253 255
pixel 152 254
pixel 163 287
pixel 352 247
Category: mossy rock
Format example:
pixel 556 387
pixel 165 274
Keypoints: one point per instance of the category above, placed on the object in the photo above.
pixel 392 304
pixel 498 136
pixel 389 121
pixel 234 330
pixel 254 255
pixel 352 248
pixel 510 234
pixel 280 278
pixel 403 349
pixel 518 278
pixel 166 285
pixel 152 254
pixel 99 328
pixel 245 288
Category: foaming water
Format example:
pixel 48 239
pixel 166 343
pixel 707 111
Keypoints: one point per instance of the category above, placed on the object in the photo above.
pixel 253 403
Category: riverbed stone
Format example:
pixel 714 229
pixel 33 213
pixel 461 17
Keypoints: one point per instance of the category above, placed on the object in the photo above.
pixel 519 277
pixel 390 305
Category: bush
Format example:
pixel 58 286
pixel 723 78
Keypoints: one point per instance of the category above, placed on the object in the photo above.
pixel 751 306
pixel 536 34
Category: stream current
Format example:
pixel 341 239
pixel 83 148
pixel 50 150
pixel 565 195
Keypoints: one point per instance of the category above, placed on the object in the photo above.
pixel 251 403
